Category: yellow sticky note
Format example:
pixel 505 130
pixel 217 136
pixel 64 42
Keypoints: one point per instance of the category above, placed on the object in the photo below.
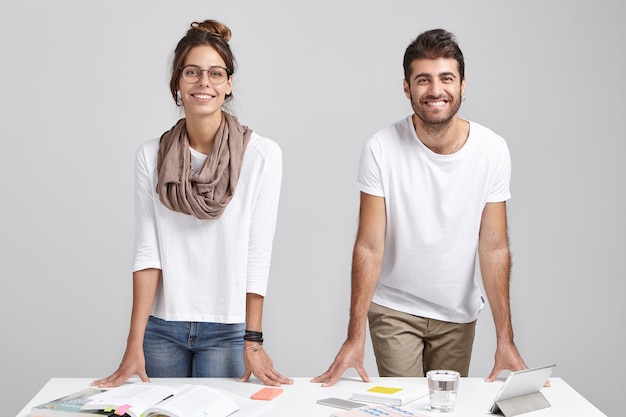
pixel 384 390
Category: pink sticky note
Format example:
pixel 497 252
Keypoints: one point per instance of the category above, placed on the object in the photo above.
pixel 121 410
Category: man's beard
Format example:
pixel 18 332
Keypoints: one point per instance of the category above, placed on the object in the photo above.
pixel 440 121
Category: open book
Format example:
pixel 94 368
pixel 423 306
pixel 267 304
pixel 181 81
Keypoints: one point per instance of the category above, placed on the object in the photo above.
pixel 176 400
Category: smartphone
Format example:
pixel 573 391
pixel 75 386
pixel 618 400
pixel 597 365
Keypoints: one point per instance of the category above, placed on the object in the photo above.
pixel 340 403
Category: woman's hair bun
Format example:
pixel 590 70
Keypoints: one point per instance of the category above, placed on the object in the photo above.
pixel 213 27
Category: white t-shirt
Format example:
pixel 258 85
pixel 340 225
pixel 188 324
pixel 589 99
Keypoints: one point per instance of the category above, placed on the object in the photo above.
pixel 434 205
pixel 209 265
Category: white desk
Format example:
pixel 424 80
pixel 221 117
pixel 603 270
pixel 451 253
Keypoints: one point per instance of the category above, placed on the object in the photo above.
pixel 474 398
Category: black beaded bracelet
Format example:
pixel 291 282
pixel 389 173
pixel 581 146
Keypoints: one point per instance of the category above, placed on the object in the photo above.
pixel 252 336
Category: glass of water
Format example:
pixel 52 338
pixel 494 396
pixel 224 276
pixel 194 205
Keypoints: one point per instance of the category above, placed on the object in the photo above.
pixel 443 386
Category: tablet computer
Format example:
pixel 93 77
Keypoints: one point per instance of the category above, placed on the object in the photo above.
pixel 520 383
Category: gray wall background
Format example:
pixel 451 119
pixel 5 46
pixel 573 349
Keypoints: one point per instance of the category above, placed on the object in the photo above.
pixel 84 83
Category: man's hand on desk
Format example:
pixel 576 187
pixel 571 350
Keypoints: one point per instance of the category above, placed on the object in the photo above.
pixel 508 358
pixel 350 355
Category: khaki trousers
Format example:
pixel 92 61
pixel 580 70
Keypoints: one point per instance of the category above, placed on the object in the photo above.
pixel 409 346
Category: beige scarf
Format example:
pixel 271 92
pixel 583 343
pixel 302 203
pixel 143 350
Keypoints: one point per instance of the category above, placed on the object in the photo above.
pixel 206 193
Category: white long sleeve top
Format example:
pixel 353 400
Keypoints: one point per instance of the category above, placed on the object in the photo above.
pixel 208 266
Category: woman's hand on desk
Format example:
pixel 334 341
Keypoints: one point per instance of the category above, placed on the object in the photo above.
pixel 259 364
pixel 133 363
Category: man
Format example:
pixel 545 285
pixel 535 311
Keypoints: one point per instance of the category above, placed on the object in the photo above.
pixel 433 193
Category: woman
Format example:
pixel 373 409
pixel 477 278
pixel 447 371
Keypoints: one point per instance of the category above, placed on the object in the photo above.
pixel 206 202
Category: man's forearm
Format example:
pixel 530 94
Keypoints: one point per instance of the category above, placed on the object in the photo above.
pixel 366 266
pixel 495 267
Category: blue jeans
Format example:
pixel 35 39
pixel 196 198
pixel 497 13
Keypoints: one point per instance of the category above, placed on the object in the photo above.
pixel 178 349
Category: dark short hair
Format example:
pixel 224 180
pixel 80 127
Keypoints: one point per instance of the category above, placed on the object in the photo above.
pixel 433 44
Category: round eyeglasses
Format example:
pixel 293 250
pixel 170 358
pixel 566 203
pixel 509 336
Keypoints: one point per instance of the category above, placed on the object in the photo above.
pixel 193 73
